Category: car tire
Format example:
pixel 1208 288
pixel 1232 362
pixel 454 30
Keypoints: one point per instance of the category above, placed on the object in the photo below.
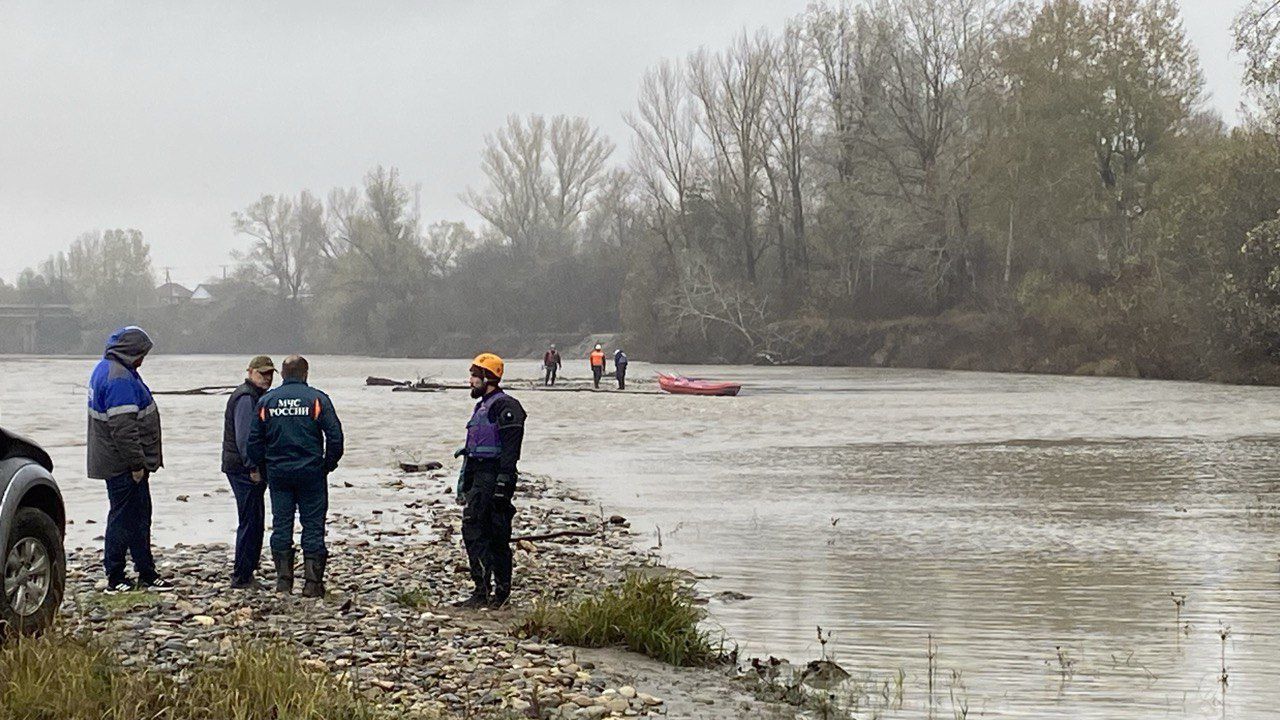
pixel 33 535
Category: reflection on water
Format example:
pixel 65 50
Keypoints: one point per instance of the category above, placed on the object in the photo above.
pixel 1034 526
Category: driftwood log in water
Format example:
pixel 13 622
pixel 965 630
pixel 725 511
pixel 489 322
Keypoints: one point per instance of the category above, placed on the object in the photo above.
pixel 419 385
pixel 206 390
pixel 553 388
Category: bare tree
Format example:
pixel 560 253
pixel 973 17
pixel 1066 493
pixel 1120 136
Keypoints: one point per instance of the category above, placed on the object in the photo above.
pixel 790 123
pixel 541 177
pixel 288 237
pixel 577 153
pixel 445 242
pixel 1256 32
pixel 940 56
pixel 664 156
pixel 512 162
pixel 731 88
pixel 702 299
pixel 615 217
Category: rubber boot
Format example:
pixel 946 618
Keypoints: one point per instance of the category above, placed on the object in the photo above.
pixel 284 571
pixel 501 595
pixel 313 577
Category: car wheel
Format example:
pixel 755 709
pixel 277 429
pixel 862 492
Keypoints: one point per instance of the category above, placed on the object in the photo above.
pixel 35 569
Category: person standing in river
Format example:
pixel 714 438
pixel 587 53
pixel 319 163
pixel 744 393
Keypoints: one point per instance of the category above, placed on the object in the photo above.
pixel 551 364
pixel 495 434
pixel 247 483
pixel 597 365
pixel 298 438
pixel 620 368
pixel 124 449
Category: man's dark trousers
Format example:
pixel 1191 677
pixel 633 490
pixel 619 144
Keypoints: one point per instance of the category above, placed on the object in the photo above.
pixel 309 498
pixel 550 378
pixel 597 372
pixel 128 529
pixel 250 513
pixel 486 533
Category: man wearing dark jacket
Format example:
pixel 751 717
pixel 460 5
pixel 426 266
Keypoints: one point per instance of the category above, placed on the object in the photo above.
pixel 124 449
pixel 298 438
pixel 246 480
pixel 494 436
pixel 620 368
pixel 551 364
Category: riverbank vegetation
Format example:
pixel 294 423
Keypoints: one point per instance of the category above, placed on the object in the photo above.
pixel 973 184
pixel 653 616
pixel 73 678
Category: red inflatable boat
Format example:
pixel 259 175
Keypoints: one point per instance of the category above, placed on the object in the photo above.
pixel 691 386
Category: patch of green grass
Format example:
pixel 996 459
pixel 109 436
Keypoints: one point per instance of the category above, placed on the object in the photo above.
pixel 653 616
pixel 265 680
pixel 416 598
pixel 61 677
pixel 124 601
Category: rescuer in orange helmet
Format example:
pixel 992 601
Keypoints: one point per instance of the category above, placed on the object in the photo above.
pixel 487 483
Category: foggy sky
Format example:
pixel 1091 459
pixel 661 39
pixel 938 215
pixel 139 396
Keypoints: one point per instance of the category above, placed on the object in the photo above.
pixel 168 117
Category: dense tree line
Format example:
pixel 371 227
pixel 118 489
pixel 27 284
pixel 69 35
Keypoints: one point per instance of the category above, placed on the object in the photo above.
pixel 1025 185
pixel 1048 166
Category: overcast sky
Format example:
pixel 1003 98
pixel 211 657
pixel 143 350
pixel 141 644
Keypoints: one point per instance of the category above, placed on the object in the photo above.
pixel 167 117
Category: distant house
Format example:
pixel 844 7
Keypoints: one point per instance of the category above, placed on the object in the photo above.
pixel 172 293
pixel 206 293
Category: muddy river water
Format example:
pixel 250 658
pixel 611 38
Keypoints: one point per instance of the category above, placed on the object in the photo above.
pixel 1037 528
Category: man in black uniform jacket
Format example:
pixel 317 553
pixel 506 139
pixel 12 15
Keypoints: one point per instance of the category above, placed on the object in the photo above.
pixel 488 482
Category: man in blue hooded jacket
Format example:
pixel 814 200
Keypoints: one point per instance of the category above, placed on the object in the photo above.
pixel 298 439
pixel 124 449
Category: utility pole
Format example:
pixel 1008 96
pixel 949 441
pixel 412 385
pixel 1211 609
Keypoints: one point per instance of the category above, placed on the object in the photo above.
pixel 224 273
pixel 168 283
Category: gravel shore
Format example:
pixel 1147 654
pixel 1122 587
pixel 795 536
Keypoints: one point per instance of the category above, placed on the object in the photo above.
pixel 387 628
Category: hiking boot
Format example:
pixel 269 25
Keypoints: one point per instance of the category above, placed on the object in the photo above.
pixel 313 577
pixel 284 571
pixel 499 600
pixel 247 583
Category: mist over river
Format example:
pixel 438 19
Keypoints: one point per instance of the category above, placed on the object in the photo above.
pixel 1035 526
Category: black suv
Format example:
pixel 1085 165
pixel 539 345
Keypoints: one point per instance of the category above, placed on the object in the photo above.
pixel 32 521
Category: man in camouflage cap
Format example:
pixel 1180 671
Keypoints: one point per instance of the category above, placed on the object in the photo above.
pixel 247 482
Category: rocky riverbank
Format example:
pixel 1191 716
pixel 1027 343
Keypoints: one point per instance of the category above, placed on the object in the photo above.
pixel 386 626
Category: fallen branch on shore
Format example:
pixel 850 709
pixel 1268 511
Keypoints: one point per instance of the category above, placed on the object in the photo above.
pixel 554 535
pixel 206 390
pixel 420 467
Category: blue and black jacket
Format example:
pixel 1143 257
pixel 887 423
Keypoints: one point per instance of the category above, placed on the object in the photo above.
pixel 297 434
pixel 124 422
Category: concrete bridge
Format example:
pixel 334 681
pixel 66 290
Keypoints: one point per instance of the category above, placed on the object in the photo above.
pixel 27 328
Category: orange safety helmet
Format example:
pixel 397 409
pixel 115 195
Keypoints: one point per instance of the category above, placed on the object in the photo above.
pixel 489 362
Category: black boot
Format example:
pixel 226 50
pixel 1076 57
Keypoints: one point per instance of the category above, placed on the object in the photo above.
pixel 477 600
pixel 313 577
pixel 284 571
pixel 501 595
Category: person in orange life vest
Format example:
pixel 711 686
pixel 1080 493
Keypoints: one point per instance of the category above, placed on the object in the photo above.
pixel 597 365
